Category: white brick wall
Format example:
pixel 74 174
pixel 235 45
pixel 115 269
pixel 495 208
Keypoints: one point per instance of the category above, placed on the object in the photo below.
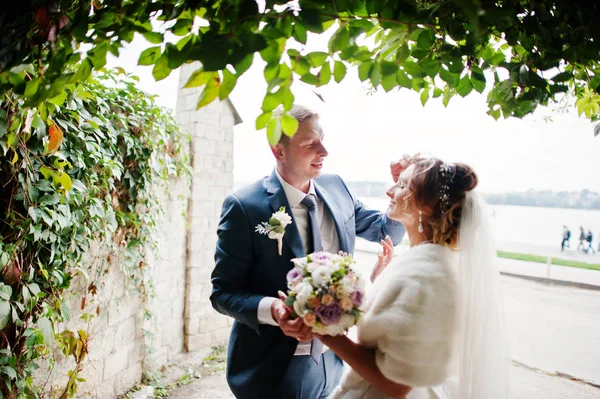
pixel 212 144
pixel 120 350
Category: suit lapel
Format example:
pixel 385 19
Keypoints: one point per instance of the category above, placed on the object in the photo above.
pixel 335 212
pixel 277 198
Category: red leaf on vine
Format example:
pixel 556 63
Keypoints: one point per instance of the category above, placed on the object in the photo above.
pixel 56 138
pixel 52 34
pixel 63 21
pixel 41 17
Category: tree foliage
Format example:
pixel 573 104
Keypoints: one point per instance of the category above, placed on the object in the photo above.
pixel 530 50
pixel 81 167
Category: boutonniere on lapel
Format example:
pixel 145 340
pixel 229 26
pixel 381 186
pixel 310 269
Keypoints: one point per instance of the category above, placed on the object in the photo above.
pixel 275 227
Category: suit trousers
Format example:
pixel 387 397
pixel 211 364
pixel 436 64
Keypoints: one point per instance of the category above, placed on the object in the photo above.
pixel 305 379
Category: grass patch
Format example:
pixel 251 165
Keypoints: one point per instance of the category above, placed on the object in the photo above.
pixel 215 362
pixel 543 259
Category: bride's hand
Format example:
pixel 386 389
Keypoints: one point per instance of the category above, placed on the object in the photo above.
pixel 383 258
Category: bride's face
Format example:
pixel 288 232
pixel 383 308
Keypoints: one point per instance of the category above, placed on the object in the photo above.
pixel 401 207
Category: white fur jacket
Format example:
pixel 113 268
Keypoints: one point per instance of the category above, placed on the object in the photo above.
pixel 410 320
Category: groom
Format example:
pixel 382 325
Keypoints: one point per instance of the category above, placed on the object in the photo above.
pixel 270 354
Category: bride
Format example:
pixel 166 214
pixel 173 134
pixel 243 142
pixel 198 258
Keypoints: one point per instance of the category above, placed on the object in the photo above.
pixel 433 325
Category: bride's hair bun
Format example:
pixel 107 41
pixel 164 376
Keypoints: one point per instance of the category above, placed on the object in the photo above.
pixel 465 178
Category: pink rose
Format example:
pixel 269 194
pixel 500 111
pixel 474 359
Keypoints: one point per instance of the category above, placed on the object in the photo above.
pixel 310 319
pixel 327 299
pixel 347 304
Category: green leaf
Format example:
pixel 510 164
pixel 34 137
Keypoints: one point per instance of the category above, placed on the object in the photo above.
pixel 364 70
pixel 31 87
pixel 161 69
pixel 289 124
pixel 32 214
pixel 424 96
pixel 262 120
pixel 437 92
pixel 426 39
pixel 210 92
pixel 339 71
pixel 300 33
pixel 9 371
pixel 5 292
pixel 46 172
pixel 149 56
pixel 243 65
pixel 447 96
pixel 60 99
pixel 271 101
pixel 4 313
pixel 563 77
pixel 389 82
pixel 198 78
pixel 324 75
pixel 447 77
pixel 85 70
pixel 182 27
pixel 289 301
pixel 317 58
pixel 375 74
pixel 403 79
pixel 430 66
pixel 65 181
pixel 97 55
pixel 49 199
pixel 301 66
pixel 495 113
pixel 339 40
pixel 478 81
pixel 464 86
pixel 274 131
pixel 229 82
pixel 153 37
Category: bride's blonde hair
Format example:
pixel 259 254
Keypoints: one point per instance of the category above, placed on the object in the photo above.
pixel 431 180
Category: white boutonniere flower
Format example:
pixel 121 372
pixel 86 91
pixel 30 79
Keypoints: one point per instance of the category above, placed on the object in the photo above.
pixel 275 227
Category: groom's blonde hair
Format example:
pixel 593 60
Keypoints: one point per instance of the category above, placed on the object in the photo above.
pixel 302 114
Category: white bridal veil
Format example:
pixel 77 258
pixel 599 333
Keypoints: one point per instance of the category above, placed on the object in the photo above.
pixel 483 361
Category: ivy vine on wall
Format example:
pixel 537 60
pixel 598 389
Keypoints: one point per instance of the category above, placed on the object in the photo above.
pixel 83 167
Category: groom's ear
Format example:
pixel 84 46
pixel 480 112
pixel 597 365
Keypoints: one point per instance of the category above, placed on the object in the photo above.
pixel 277 151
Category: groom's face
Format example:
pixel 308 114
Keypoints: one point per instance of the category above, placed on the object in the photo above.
pixel 302 157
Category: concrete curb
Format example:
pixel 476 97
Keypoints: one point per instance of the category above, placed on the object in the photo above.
pixel 545 280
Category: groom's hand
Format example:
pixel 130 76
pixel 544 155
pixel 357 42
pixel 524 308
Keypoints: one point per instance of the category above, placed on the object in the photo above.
pixel 291 327
pixel 396 167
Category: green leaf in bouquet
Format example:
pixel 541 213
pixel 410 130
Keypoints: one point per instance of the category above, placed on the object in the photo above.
pixel 274 222
pixel 289 301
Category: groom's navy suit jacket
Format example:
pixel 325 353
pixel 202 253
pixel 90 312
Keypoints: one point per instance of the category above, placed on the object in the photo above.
pixel 248 267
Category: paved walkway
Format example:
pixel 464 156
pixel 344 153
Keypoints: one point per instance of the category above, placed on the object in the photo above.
pixel 526 382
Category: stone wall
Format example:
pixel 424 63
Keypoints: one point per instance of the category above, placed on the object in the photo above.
pixel 212 143
pixel 123 342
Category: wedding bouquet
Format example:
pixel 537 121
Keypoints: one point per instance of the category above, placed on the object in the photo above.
pixel 325 292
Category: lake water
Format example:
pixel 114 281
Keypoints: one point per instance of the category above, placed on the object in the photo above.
pixel 535 226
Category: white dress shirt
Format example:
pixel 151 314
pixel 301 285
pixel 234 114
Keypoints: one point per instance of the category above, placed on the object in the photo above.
pixel 329 238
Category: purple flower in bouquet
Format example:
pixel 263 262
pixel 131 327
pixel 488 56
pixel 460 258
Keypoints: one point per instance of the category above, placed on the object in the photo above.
pixel 320 257
pixel 295 275
pixel 329 314
pixel 357 298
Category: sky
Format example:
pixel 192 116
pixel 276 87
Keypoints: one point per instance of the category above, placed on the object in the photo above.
pixel 364 132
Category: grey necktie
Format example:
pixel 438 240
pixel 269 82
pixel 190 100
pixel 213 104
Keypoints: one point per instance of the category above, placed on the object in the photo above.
pixel 314 244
